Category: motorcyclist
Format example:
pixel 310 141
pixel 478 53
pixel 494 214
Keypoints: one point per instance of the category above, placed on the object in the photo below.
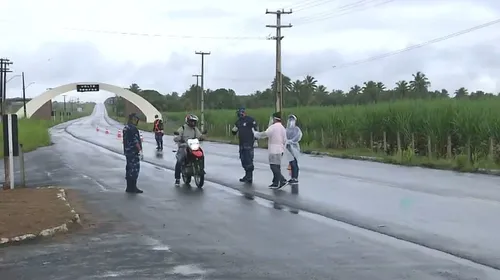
pixel 188 130
pixel 158 131
pixel 243 127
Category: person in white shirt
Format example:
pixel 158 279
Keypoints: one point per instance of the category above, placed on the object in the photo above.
pixel 276 134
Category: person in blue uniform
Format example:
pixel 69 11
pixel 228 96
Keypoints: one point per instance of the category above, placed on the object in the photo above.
pixel 132 148
pixel 243 127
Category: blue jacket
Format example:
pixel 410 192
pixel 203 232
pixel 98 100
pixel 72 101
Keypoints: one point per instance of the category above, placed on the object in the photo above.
pixel 243 127
pixel 131 137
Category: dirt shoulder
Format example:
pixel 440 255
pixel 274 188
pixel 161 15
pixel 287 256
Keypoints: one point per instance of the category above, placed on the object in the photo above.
pixel 30 211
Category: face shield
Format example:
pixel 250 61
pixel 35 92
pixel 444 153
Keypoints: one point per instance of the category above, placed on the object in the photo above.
pixel 133 119
pixel 291 121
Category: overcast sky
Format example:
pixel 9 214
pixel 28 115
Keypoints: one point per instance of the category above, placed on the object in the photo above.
pixel 56 42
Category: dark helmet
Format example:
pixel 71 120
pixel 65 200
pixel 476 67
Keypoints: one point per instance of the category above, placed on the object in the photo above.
pixel 240 112
pixel 191 120
pixel 133 119
pixel 156 116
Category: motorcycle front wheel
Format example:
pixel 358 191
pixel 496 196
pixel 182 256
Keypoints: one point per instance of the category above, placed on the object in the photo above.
pixel 185 178
pixel 199 175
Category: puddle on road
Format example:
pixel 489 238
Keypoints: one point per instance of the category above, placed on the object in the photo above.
pixel 188 270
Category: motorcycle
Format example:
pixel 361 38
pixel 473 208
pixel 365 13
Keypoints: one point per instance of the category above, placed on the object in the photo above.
pixel 194 163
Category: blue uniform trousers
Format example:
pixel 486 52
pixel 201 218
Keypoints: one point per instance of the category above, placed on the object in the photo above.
pixel 133 167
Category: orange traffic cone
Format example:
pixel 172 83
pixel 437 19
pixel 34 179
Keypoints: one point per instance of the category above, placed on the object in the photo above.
pixel 107 131
pixel 119 133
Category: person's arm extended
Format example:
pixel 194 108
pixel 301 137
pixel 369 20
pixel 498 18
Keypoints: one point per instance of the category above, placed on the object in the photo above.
pixel 263 134
pixel 234 131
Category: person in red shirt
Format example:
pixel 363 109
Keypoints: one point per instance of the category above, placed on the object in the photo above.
pixel 158 131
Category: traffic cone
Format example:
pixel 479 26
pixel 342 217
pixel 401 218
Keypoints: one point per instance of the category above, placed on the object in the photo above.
pixel 119 133
pixel 142 138
pixel 97 128
pixel 107 131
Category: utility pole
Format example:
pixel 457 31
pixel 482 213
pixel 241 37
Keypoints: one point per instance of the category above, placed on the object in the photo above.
pixel 64 105
pixel 24 97
pixel 4 69
pixel 278 38
pixel 202 89
pixel 197 88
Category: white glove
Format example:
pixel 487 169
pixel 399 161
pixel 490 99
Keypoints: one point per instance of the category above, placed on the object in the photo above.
pixel 254 132
pixel 255 144
pixel 288 142
pixel 235 129
pixel 141 155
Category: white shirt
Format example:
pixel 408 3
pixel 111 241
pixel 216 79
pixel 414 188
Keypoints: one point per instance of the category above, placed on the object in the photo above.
pixel 276 133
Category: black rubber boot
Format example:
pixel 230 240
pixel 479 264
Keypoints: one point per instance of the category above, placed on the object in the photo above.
pixel 247 178
pixel 129 189
pixel 135 188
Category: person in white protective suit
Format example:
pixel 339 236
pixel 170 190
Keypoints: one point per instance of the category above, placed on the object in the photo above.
pixel 293 136
pixel 276 134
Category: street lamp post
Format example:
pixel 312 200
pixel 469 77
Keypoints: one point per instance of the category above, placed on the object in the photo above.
pixel 15 76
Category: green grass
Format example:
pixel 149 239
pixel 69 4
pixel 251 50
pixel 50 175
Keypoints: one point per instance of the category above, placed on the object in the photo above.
pixel 472 127
pixel 34 133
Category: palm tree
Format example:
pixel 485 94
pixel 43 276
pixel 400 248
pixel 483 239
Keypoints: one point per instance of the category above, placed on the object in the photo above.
pixel 134 88
pixel 420 84
pixel 371 91
pixel 402 89
pixel 461 93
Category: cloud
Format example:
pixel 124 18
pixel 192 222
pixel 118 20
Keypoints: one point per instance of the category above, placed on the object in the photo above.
pixel 52 55
pixel 205 13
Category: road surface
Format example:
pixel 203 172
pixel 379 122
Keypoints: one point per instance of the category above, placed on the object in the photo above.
pixel 442 223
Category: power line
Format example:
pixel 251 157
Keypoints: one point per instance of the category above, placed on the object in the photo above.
pixel 388 54
pixel 420 45
pixel 310 4
pixel 125 33
pixel 343 10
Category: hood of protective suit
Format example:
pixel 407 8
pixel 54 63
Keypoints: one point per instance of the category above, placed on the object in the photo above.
pixel 292 120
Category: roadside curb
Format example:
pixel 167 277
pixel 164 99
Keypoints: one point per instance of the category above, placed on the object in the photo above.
pixel 49 231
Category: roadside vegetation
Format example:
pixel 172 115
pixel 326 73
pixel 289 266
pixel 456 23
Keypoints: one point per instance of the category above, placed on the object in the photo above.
pixel 34 133
pixel 409 124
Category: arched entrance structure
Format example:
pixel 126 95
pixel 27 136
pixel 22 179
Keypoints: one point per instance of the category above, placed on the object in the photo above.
pixel 147 109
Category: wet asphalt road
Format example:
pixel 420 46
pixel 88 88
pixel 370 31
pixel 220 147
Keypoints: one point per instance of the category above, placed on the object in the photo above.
pixel 184 233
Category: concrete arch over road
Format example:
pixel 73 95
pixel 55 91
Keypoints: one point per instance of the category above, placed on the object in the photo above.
pixel 147 109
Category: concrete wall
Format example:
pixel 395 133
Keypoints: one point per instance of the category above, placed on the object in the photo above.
pixel 131 108
pixel 44 112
